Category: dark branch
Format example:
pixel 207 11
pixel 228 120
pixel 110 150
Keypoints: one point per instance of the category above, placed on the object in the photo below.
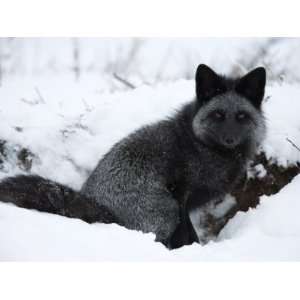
pixel 293 144
pixel 124 81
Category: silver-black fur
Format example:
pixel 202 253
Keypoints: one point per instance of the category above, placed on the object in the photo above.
pixel 153 178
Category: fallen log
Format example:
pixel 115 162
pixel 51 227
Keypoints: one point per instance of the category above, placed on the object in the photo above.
pixel 248 194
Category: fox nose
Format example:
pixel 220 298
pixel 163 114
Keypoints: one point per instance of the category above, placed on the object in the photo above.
pixel 229 141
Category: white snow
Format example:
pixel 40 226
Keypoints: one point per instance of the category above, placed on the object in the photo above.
pixel 71 125
pixel 271 232
pixel 223 207
pixel 257 171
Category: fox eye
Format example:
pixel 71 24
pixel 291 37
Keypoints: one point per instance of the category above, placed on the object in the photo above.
pixel 241 116
pixel 218 115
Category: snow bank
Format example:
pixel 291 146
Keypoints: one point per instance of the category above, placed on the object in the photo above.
pixel 271 232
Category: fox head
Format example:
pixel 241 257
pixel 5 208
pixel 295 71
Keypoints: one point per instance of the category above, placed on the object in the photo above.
pixel 229 112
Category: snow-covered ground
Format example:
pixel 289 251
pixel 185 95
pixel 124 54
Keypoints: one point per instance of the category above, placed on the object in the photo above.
pixel 68 125
pixel 270 232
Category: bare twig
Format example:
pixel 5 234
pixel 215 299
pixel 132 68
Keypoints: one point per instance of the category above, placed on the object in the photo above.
pixel 29 102
pixel 124 81
pixel 293 144
pixel 88 108
pixel 76 58
pixel 78 168
pixel 41 98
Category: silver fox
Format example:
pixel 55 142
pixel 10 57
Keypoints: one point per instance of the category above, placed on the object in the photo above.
pixel 157 177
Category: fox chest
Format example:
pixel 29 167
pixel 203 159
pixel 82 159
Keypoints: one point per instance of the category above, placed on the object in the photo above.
pixel 209 178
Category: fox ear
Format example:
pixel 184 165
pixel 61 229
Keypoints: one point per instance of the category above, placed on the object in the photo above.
pixel 252 86
pixel 208 83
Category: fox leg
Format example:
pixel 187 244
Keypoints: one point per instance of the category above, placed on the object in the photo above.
pixel 148 211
